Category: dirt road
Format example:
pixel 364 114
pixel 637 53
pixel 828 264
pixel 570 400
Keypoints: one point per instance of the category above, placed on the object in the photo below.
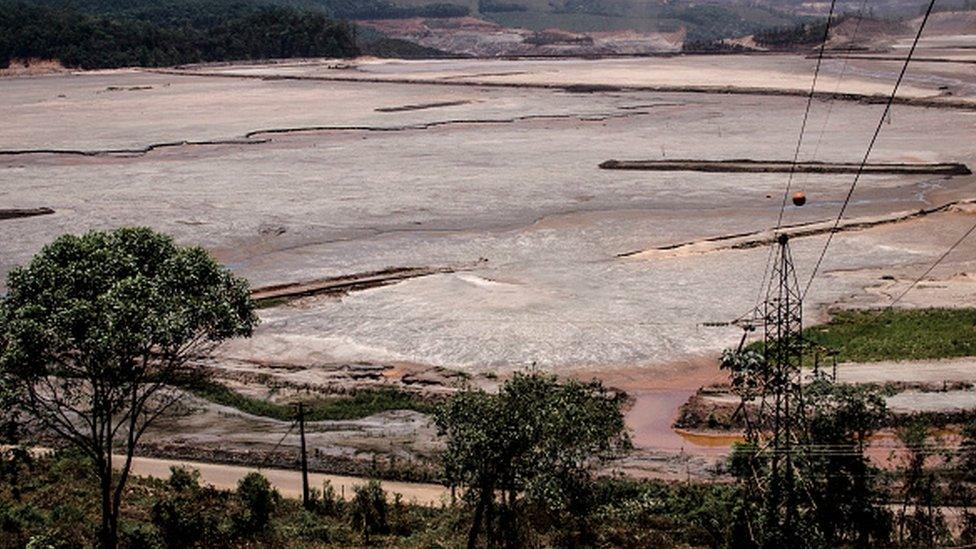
pixel 288 483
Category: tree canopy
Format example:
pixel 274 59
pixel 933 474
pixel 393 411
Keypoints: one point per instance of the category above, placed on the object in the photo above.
pixel 97 330
pixel 169 34
pixel 536 442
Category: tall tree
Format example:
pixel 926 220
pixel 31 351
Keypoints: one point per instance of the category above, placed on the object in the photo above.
pixel 533 444
pixel 920 519
pixel 98 330
pixel 836 492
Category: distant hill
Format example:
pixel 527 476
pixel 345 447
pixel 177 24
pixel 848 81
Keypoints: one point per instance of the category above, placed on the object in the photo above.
pixel 93 34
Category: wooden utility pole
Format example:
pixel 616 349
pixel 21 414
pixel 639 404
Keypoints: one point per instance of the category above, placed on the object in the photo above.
pixel 301 431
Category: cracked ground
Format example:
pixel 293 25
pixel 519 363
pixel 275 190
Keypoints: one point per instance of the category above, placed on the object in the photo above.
pixel 290 180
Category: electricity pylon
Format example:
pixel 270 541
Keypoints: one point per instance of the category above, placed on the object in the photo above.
pixel 781 407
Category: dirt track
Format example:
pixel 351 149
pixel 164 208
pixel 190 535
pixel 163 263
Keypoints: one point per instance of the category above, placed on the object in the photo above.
pixel 345 284
pixel 763 238
pixel 288 483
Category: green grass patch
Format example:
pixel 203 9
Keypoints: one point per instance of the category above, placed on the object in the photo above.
pixel 896 334
pixel 270 302
pixel 356 405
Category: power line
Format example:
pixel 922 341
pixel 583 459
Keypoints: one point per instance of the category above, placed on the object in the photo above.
pixel 276 446
pixel 796 151
pixel 806 113
pixel 867 154
pixel 932 266
pixel 840 79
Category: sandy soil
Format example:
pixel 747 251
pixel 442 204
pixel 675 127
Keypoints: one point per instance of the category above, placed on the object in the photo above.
pixel 931 371
pixel 477 37
pixel 288 482
pixel 759 74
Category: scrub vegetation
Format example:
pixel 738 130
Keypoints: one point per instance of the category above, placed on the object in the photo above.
pixel 898 334
pixel 891 334
pixel 357 404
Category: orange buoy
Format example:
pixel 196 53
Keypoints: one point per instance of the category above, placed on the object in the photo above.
pixel 799 199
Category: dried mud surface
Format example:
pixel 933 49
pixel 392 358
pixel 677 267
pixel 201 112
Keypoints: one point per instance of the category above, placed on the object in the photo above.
pixel 292 180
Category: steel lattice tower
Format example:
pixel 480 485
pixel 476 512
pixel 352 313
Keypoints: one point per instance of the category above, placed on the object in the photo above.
pixel 783 401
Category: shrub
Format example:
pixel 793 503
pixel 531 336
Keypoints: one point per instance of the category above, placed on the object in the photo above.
pixel 369 509
pixel 188 517
pixel 258 500
pixel 183 478
pixel 325 502
pixel 141 536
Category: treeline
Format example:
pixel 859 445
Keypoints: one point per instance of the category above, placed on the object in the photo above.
pixel 497 6
pixel 805 34
pixel 202 11
pixel 388 10
pixel 104 41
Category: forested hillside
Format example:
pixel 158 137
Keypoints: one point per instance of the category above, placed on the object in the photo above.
pixel 176 11
pixel 199 32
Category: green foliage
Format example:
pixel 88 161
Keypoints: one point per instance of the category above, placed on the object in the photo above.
pixel 920 521
pixel 326 501
pixel 113 298
pixel 258 502
pixel 842 482
pixel 369 509
pixel 642 514
pixel 190 516
pixel 97 329
pixel 56 509
pixel 892 334
pixel 706 22
pixel 963 490
pixel 183 479
pixel 912 334
pixel 486 6
pixel 358 404
pixel 818 488
pixel 803 34
pixel 230 32
pixel 536 442
pixel 143 536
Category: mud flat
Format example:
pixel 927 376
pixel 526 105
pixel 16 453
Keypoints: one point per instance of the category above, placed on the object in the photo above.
pixel 861 80
pixel 310 192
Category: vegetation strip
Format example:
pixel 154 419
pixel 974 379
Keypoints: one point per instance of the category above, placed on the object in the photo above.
pixel 874 335
pixel 897 334
pixel 357 405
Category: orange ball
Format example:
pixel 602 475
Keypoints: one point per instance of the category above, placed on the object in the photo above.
pixel 799 199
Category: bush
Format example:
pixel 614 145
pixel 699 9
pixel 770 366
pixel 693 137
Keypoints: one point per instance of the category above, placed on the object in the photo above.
pixel 188 517
pixel 369 509
pixel 141 536
pixel 183 478
pixel 325 502
pixel 258 500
